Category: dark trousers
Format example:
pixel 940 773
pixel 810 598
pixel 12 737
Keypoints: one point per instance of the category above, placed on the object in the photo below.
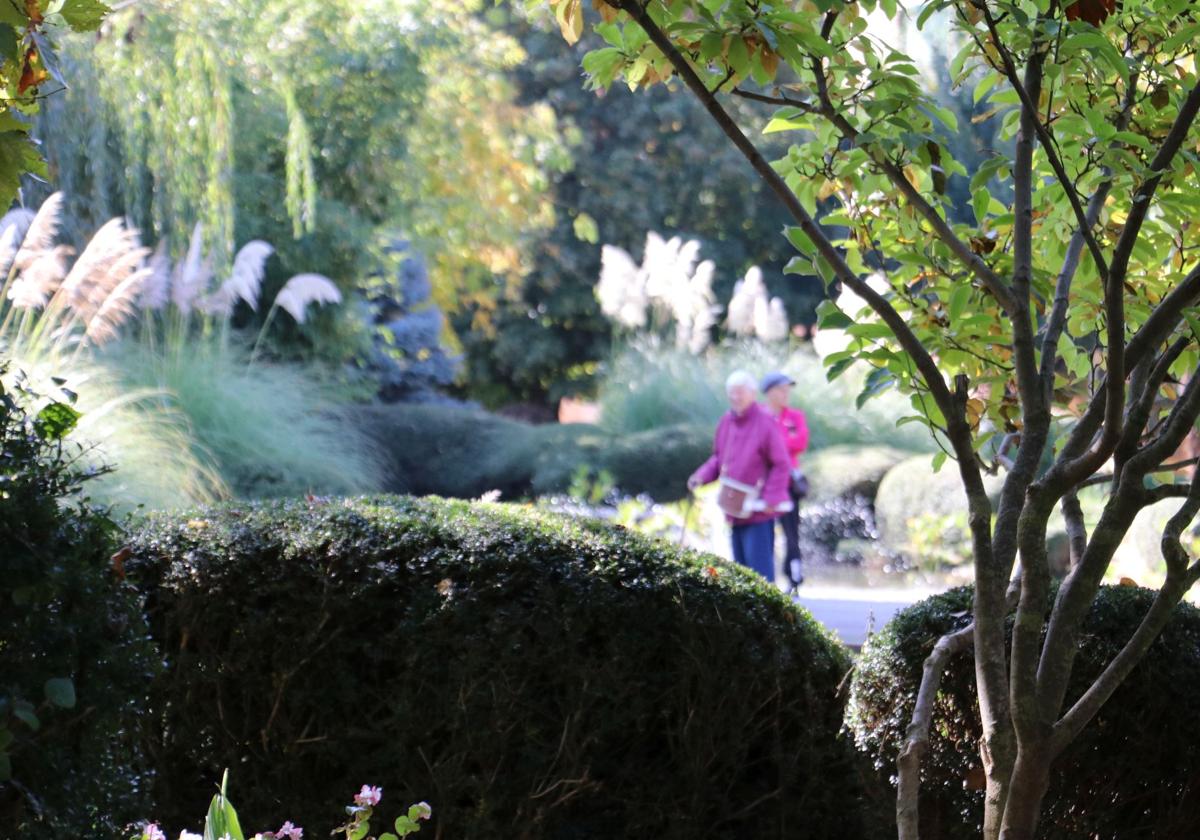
pixel 754 547
pixel 790 523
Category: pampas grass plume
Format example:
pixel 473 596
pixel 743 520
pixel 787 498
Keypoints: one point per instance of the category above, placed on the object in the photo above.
pixel 304 289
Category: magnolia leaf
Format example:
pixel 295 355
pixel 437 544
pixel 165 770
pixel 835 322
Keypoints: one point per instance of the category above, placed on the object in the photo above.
pixel 61 692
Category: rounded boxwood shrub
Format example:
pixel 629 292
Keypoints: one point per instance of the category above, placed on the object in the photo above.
pixel 464 452
pixel 75 659
pixel 1134 772
pixel 527 675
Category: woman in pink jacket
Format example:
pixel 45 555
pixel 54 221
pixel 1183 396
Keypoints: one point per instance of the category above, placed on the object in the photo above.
pixel 776 388
pixel 749 454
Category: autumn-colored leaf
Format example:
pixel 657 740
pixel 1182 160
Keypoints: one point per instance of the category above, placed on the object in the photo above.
pixel 32 74
pixel 607 13
pixel 975 779
pixel 1125 581
pixel 1094 12
pixel 118 561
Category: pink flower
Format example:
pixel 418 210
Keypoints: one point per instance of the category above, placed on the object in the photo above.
pixel 289 831
pixel 368 797
pixel 153 832
pixel 424 812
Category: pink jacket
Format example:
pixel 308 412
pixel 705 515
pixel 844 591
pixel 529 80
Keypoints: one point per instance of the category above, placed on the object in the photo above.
pixel 749 448
pixel 794 427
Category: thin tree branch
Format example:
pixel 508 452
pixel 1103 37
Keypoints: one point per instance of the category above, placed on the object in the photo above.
pixel 1077 536
pixel 1029 104
pixel 916 738
pixel 1179 579
pixel 783 101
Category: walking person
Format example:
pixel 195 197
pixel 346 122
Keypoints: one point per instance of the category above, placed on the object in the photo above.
pixel 751 462
pixel 776 390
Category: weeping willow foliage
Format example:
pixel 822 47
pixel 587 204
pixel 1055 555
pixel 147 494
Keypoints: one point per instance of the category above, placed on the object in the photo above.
pixel 322 126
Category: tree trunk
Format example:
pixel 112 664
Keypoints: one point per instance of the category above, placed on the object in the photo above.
pixel 1026 790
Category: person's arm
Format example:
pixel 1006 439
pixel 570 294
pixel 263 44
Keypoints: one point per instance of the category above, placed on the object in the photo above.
pixel 711 468
pixel 775 487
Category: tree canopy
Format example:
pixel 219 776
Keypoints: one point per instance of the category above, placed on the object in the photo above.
pixel 1052 337
pixel 326 128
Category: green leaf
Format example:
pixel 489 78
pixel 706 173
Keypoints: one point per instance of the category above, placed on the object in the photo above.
pixel 84 15
pixel 586 229
pixel 739 56
pixel 838 368
pixel 17 156
pixel 958 301
pixel 61 692
pixel 938 460
pixel 23 711
pixel 55 421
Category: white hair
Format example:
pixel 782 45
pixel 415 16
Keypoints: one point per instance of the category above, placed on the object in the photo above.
pixel 740 379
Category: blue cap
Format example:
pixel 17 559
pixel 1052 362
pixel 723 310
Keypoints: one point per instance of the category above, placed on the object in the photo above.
pixel 775 378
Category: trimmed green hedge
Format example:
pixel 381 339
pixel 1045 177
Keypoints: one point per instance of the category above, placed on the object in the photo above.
pixel 464 453
pixel 529 676
pixel 1133 773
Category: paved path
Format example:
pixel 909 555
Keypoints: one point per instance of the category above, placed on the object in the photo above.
pixel 852 613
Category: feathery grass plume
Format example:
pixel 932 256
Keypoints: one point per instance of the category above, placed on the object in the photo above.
pixel 117 307
pixel 13 225
pixel 190 280
pixel 303 289
pixel 156 288
pixel 745 300
pixel 249 266
pixel 106 246
pixel 31 289
pixel 122 267
pixel 43 228
pixel 621 291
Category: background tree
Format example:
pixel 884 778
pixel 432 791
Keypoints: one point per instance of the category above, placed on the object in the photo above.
pixel 639 163
pixel 1062 321
pixel 322 127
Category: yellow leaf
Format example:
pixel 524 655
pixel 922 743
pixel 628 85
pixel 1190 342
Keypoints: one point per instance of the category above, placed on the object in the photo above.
pixel 570 20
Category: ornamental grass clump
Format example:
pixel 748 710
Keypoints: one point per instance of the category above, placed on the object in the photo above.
pixel 534 676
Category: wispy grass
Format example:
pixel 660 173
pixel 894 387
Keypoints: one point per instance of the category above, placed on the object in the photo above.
pixel 180 411
pixel 650 385
pixel 271 430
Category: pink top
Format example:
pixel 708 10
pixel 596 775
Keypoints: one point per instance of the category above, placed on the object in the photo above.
pixel 795 432
pixel 749 448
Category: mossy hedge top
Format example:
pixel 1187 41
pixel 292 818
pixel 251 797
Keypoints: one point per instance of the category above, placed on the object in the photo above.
pixel 529 676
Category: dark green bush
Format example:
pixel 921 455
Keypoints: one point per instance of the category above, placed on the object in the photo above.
pixel 74 659
pixel 464 453
pixel 529 676
pixel 1133 773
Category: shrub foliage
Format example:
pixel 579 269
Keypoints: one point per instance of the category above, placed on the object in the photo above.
pixel 74 658
pixel 1135 773
pixel 461 452
pixel 528 675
